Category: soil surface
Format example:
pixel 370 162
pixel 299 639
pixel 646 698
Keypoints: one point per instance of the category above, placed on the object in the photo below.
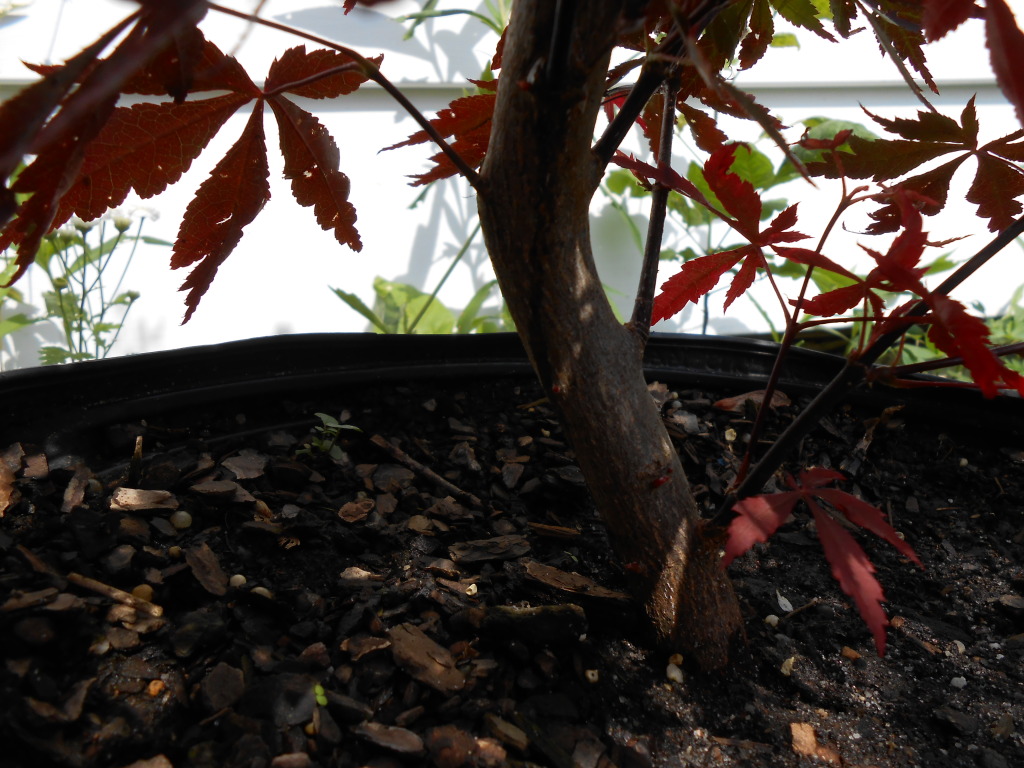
pixel 438 591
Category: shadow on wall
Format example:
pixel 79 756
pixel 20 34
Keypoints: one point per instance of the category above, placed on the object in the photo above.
pixel 450 53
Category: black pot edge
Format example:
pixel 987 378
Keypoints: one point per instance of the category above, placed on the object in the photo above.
pixel 41 405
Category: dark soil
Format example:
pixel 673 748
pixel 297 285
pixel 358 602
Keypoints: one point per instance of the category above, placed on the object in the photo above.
pixel 355 611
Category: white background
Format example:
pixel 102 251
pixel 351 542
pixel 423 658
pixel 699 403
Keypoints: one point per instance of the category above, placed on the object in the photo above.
pixel 278 279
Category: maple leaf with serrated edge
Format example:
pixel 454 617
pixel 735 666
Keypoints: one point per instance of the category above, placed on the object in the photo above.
pixel 229 200
pixel 759 517
pixel 998 180
pixel 1006 46
pixel 700 275
pixel 468 120
pixel 943 16
pixel 148 146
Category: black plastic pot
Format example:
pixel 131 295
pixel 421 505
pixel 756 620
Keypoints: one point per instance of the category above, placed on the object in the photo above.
pixel 64 409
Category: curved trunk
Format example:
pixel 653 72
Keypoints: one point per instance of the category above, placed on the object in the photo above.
pixel 537 183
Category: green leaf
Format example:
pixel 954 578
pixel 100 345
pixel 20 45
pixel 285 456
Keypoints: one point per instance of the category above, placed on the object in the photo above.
pixel 827 128
pixel 802 13
pixel 357 304
pixel 785 40
pixel 468 316
pixel 436 319
pixel 13 323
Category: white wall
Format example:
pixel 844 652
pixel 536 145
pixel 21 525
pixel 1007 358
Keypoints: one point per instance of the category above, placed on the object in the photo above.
pixel 278 279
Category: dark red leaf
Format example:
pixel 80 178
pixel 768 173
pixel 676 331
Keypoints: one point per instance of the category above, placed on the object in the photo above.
pixel 753 261
pixel 816 477
pixel 960 334
pixel 296 66
pixel 1006 46
pixel 854 572
pixel 57 172
pixel 814 259
pixel 651 122
pixel 737 196
pixel 762 30
pixel 943 16
pixel 757 518
pixel 694 279
pixel 705 130
pixel 995 189
pixel 870 518
pixel 468 119
pixel 645 173
pixel 144 148
pixel 311 164
pixel 22 115
pixel 235 192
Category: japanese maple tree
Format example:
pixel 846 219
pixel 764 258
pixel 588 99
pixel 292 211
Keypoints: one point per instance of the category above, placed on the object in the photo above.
pixel 526 144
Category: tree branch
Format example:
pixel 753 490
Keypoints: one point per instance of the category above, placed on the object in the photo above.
pixel 642 307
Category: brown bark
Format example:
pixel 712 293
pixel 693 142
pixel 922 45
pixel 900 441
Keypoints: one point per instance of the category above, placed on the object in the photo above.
pixel 536 185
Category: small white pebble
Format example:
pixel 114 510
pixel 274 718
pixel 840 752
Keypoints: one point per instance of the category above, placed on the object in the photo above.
pixel 181 519
pixel 771 620
pixel 787 666
pixel 263 592
pixel 236 580
pixel 592 675
pixel 960 647
pixel 964 462
pixel 472 590
pixel 674 673
pixel 958 682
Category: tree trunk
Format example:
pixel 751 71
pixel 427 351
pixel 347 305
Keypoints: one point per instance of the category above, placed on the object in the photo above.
pixel 537 183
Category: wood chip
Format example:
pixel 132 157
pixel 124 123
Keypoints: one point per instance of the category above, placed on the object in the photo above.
pixel 247 464
pixel 139 499
pixel 425 660
pixel 570 582
pixel 354 511
pixel 206 568
pixel 498 548
pixel 398 740
pixel 805 742
pixel 737 404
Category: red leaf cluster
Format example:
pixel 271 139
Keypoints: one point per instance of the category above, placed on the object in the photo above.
pixel 89 153
pixel 758 517
pixel 468 119
pixel 998 180
pixel 742 212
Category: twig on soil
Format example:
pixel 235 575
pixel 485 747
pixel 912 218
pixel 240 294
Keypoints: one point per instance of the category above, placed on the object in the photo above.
pixel 401 456
pixel 117 595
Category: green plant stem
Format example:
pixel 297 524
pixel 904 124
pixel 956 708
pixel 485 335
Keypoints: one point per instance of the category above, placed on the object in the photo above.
pixel 444 278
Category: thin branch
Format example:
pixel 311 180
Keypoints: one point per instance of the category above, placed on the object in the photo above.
pixel 652 75
pixel 372 72
pixel 644 303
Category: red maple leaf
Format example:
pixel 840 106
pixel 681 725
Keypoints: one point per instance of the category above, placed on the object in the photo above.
pixel 998 180
pixel 468 120
pixel 232 196
pixel 758 517
pixel 743 206
pixel 106 152
pixel 1006 46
